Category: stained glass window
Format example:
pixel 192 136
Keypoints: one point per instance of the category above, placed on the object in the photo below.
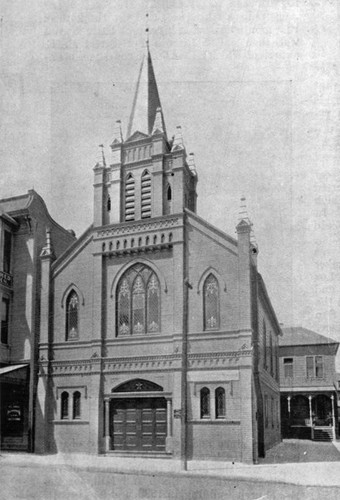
pixel 138 301
pixel 64 405
pixel 211 303
pixel 205 402
pixel 76 404
pixel 124 308
pixel 138 305
pixel 220 402
pixel 72 305
pixel 153 304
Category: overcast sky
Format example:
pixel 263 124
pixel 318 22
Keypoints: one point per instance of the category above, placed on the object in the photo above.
pixel 254 85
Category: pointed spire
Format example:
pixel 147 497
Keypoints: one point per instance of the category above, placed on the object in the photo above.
pixel 178 139
pixel 117 134
pixel 146 100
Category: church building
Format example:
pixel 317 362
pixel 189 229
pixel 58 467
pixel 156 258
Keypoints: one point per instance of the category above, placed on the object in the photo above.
pixel 157 335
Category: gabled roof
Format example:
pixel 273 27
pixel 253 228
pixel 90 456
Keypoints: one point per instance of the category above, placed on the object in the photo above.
pixel 302 336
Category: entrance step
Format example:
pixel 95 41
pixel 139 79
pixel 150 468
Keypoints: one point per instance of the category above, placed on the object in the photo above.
pixel 323 434
pixel 136 454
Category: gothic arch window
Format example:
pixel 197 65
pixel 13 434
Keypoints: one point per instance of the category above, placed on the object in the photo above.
pixel 138 302
pixel 129 198
pixel 72 316
pixel 205 402
pixel 64 405
pixel 146 195
pixel 167 199
pixel 76 404
pixel 211 297
pixel 220 402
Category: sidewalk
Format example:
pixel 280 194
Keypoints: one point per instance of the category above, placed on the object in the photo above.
pixel 306 474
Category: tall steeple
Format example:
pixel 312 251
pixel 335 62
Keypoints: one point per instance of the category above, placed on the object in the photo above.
pixel 146 100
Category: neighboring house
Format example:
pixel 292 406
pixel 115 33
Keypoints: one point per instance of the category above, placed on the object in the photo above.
pixel 307 384
pixel 157 334
pixel 24 221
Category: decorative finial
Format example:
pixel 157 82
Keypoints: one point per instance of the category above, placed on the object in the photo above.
pixel 147 30
pixel 178 139
pixel 102 155
pixel 191 164
pixel 243 214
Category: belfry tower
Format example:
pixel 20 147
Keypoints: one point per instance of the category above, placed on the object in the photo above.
pixel 148 175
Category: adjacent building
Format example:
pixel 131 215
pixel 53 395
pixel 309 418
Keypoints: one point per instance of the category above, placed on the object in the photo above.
pixel 24 223
pixel 157 335
pixel 308 385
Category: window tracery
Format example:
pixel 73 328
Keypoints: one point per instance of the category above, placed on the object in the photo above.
pixel 211 303
pixel 72 309
pixel 138 302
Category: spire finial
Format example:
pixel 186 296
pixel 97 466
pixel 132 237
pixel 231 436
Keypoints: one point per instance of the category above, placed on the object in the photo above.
pixel 147 30
pixel 102 156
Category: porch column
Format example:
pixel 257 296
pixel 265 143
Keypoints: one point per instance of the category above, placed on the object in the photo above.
pixel 333 416
pixel 168 440
pixel 311 416
pixel 107 436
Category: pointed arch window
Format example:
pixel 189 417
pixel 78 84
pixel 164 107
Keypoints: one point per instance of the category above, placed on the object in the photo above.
pixel 129 198
pixel 220 402
pixel 169 193
pixel 64 405
pixel 205 402
pixel 72 316
pixel 146 195
pixel 76 404
pixel 211 303
pixel 138 302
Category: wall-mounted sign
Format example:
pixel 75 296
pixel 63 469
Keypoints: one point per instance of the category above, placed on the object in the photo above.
pixel 13 413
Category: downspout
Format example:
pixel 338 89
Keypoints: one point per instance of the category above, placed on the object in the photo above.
pixel 259 413
pixel 184 367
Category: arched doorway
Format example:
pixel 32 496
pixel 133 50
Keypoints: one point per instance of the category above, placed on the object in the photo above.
pixel 138 421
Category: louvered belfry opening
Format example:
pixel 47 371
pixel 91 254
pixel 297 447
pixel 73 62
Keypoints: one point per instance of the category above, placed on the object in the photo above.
pixel 130 198
pixel 146 195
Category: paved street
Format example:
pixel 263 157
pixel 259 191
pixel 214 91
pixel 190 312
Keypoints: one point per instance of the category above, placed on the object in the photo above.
pixel 64 483
pixel 315 474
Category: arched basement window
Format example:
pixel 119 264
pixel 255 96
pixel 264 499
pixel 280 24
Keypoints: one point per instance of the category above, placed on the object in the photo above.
pixel 64 405
pixel 130 198
pixel 205 402
pixel 211 303
pixel 76 404
pixel 138 301
pixel 146 195
pixel 72 309
pixel 220 402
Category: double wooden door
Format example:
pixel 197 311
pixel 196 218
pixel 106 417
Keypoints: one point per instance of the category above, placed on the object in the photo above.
pixel 139 424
